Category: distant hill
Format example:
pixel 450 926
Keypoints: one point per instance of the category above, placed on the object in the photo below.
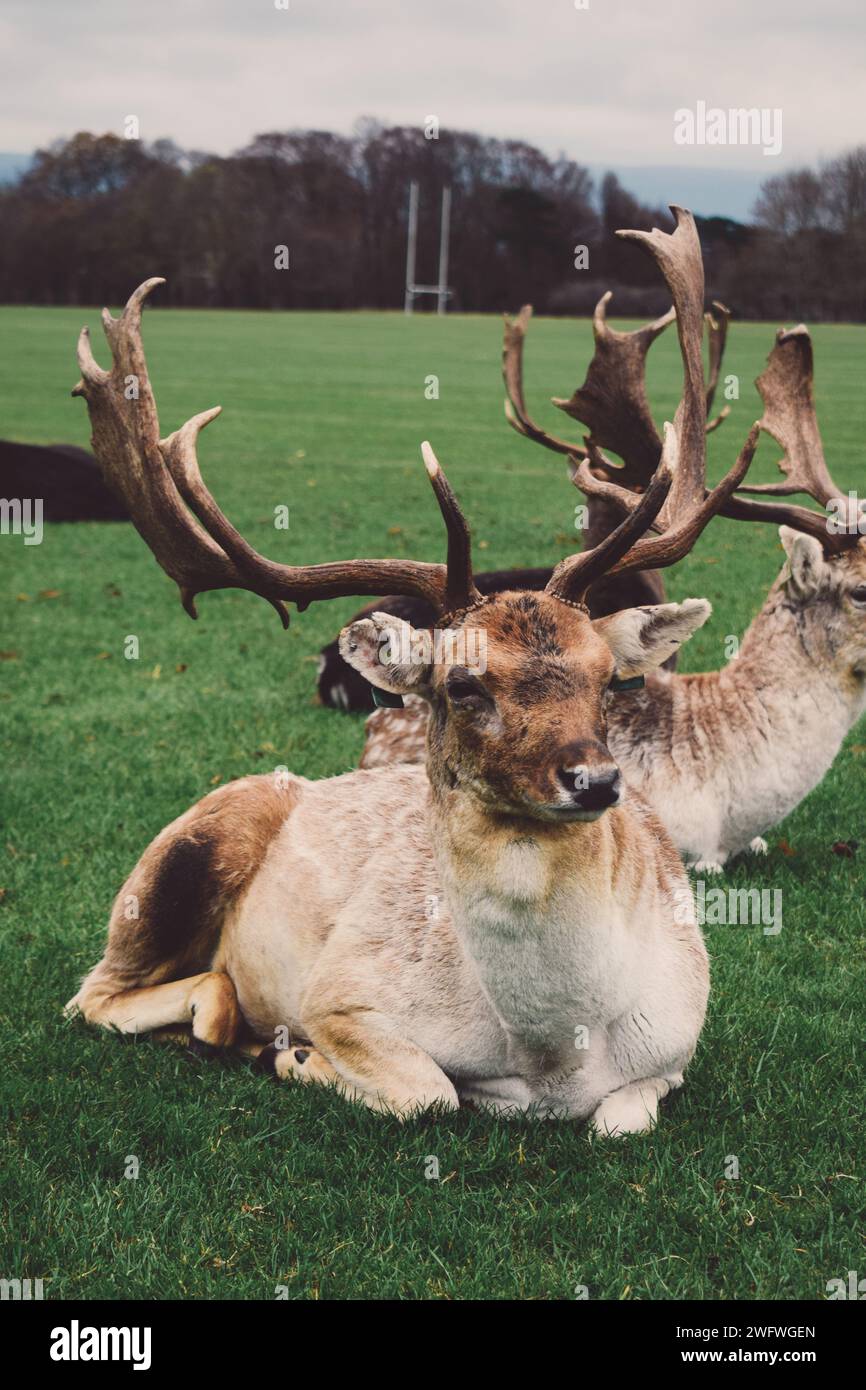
pixel 11 165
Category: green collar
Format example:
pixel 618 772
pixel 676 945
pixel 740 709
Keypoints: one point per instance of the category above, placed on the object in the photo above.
pixel 633 683
pixel 386 699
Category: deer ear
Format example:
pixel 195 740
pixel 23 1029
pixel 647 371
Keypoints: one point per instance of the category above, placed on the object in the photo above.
pixel 806 564
pixel 390 653
pixel 643 638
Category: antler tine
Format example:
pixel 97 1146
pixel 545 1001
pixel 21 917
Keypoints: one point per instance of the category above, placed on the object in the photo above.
pixel 516 413
pixel 678 256
pixel 587 475
pixel 658 552
pixel 786 389
pixel 460 589
pixel 179 454
pixel 161 483
pixel 798 518
pixel 717 337
pixel 125 428
pixel 612 400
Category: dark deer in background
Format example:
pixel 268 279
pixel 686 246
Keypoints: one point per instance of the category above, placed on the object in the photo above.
pixel 67 480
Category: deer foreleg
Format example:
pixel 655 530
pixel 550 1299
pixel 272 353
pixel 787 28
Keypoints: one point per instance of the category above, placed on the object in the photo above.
pixel 633 1109
pixel 359 1053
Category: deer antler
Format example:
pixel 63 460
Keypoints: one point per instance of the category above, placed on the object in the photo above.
pixel 687 507
pixel 157 477
pixel 678 256
pixel 786 387
pixel 613 403
pixel 612 400
pixel 516 413
pixel 717 337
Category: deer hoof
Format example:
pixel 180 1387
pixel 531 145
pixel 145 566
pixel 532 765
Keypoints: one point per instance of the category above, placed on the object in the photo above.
pixel 267 1060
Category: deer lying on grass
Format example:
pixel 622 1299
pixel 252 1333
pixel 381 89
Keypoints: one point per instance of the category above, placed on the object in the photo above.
pixel 561 914
pixel 724 756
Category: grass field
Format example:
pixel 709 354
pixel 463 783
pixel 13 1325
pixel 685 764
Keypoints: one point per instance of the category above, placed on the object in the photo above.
pixel 244 1185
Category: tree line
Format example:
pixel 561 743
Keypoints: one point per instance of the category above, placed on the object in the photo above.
pixel 95 214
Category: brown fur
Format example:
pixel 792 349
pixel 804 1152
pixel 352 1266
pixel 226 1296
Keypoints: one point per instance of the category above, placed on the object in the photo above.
pixel 182 887
pixel 543 656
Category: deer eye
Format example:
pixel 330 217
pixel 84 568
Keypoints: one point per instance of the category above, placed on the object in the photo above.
pixel 858 595
pixel 465 690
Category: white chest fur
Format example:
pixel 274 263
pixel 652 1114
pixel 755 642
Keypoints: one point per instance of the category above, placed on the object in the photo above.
pixel 552 955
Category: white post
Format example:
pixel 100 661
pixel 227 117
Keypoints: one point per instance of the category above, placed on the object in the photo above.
pixel 444 235
pixel 410 247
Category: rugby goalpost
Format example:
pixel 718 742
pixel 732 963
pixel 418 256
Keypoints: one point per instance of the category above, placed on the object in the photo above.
pixel 441 290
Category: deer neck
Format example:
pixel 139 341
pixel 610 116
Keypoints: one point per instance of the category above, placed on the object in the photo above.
pixel 558 922
pixel 532 906
pixel 515 866
pixel 788 658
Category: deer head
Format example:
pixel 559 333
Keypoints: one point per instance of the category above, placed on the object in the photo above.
pixel 523 731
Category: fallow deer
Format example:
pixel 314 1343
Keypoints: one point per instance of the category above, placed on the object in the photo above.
pixel 510 927
pixel 723 756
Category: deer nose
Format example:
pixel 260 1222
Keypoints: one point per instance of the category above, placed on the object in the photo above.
pixel 592 789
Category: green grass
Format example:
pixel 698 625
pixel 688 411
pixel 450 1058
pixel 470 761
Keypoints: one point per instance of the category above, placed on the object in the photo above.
pixel 245 1185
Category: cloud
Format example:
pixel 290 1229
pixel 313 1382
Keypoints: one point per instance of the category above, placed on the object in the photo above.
pixel 600 84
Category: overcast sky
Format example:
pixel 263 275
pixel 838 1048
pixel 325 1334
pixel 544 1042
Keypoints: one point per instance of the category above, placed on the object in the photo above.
pixel 600 84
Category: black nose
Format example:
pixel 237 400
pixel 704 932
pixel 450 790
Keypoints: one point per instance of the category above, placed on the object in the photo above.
pixel 592 790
